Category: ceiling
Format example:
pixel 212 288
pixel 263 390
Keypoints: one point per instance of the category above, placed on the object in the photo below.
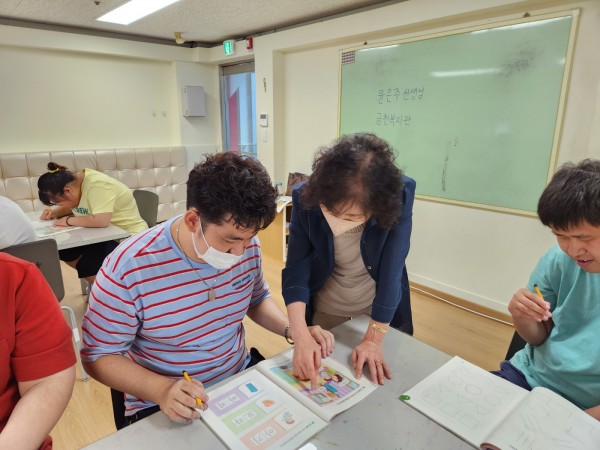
pixel 201 22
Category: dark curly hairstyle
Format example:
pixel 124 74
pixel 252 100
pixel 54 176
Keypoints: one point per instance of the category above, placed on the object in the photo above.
pixel 358 169
pixel 572 196
pixel 230 183
pixel 52 183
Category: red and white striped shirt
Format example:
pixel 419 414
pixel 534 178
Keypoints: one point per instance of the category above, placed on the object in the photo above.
pixel 150 305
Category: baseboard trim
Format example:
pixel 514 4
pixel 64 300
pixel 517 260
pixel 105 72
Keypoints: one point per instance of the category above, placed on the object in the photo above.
pixel 461 303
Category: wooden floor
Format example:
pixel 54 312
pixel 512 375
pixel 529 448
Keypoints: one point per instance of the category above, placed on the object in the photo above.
pixel 482 341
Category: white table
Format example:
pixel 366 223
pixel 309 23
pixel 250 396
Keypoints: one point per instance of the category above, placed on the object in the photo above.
pixel 82 236
pixel 381 421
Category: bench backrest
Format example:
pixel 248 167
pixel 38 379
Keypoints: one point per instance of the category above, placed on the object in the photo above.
pixel 162 170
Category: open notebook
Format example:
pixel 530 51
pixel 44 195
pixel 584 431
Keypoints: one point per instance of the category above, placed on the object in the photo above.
pixel 267 407
pixel 492 413
pixel 44 228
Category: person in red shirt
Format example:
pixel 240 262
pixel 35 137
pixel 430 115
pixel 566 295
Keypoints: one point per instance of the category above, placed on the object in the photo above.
pixel 37 360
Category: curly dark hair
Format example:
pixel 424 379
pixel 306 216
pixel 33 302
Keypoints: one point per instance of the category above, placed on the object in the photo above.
pixel 52 183
pixel 357 169
pixel 230 183
pixel 572 196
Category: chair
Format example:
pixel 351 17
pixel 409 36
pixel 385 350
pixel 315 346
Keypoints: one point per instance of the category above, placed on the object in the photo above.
pixel 118 406
pixel 147 203
pixel 44 254
pixel 516 344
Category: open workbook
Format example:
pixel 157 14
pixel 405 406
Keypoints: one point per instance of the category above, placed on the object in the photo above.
pixel 267 407
pixel 492 413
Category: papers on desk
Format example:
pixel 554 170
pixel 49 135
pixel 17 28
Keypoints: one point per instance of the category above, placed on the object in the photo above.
pixel 45 228
pixel 267 407
pixel 283 201
pixel 491 413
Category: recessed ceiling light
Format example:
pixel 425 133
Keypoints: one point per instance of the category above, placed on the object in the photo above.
pixel 134 10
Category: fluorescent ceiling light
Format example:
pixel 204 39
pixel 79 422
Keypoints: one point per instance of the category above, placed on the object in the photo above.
pixel 134 10
pixel 377 48
pixel 463 73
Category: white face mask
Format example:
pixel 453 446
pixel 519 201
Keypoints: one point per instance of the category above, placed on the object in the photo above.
pixel 338 226
pixel 217 259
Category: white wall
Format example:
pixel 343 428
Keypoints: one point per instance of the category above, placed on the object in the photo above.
pixel 311 106
pixel 55 100
pixel 200 135
pixel 477 255
pixel 63 91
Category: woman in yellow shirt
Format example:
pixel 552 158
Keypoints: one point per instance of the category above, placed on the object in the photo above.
pixel 87 199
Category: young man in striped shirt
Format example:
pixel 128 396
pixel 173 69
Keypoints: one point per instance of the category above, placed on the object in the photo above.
pixel 173 298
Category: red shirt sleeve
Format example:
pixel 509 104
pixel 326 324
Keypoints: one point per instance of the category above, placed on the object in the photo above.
pixel 43 342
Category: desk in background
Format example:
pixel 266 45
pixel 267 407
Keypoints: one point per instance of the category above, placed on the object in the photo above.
pixel 82 236
pixel 381 421
pixel 273 239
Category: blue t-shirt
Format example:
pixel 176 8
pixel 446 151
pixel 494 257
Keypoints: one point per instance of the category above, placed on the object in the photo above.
pixel 568 362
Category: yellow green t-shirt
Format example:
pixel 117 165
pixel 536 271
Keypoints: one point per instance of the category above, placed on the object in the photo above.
pixel 103 194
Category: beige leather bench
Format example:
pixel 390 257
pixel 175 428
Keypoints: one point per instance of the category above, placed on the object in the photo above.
pixel 161 170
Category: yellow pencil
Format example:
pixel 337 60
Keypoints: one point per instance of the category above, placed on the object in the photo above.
pixel 187 377
pixel 537 289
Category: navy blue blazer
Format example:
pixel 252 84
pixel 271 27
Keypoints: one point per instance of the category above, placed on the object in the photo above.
pixel 310 258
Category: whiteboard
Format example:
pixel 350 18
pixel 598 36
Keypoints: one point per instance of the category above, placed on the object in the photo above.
pixel 474 115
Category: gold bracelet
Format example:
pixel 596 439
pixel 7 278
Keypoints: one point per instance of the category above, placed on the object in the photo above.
pixel 378 327
pixel 286 334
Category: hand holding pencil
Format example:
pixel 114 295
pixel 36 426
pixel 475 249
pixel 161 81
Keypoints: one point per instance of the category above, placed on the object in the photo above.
pixel 181 400
pixel 198 400
pixel 530 305
pixel 544 304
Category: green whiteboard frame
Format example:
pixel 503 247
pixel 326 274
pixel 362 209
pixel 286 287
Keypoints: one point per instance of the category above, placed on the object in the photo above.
pixel 539 163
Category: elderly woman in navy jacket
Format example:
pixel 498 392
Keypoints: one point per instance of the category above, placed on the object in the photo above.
pixel 349 238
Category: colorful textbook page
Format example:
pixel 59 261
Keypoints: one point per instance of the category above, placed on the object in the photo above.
pixel 337 389
pixel 251 412
pixel 267 407
pixel 492 413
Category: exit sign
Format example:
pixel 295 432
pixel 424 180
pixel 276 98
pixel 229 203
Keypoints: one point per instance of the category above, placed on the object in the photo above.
pixel 229 47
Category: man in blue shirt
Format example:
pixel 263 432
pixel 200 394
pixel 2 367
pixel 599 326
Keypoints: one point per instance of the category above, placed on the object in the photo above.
pixel 174 297
pixel 561 322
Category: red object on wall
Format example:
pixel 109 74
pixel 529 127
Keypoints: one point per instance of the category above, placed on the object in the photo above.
pixel 249 43
pixel 234 121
